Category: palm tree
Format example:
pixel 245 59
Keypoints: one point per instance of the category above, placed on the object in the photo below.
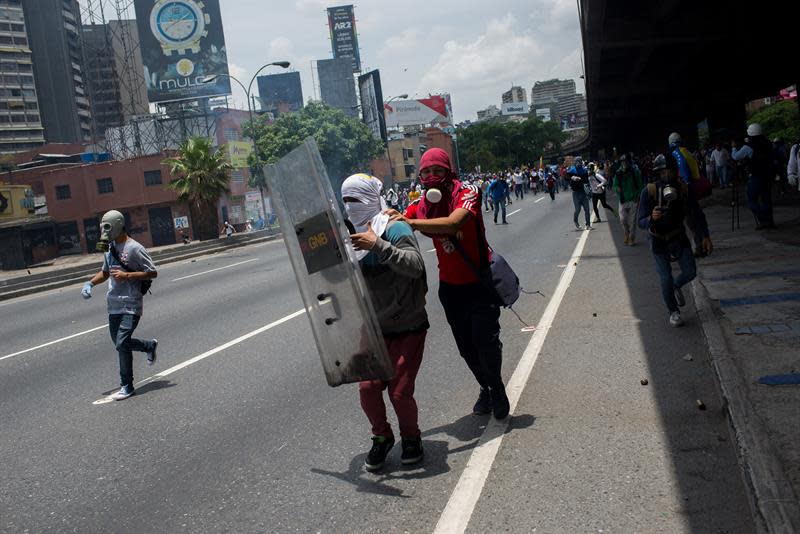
pixel 200 177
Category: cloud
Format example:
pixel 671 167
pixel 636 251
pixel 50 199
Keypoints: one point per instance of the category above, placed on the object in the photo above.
pixel 237 71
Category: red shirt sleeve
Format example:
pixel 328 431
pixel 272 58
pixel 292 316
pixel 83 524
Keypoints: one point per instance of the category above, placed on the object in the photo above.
pixel 411 210
pixel 469 199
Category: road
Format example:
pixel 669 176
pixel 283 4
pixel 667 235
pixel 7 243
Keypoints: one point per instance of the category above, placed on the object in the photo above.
pixel 236 430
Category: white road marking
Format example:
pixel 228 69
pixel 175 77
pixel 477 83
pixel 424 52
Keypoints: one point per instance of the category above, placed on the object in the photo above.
pixel 515 211
pixel 199 357
pixel 52 342
pixel 458 511
pixel 538 200
pixel 213 270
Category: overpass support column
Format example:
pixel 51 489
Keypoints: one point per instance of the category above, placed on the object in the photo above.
pixel 726 118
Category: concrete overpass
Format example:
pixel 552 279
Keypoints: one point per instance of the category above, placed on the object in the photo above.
pixel 656 67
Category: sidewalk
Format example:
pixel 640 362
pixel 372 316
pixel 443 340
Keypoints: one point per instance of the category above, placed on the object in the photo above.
pixel 749 298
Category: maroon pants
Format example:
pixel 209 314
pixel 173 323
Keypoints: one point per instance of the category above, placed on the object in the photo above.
pixel 406 354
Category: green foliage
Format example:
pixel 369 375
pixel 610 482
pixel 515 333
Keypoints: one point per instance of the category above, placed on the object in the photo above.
pixel 495 145
pixel 200 176
pixel 345 143
pixel 781 119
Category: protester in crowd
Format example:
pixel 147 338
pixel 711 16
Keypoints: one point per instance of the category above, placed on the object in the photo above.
pixel 663 207
pixel 498 192
pixel 579 181
pixel 781 158
pixel 793 167
pixel 130 270
pixel 721 162
pixel 519 184
pixel 484 187
pixel 394 272
pixel 757 157
pixel 597 183
pixel 453 218
pixel 628 180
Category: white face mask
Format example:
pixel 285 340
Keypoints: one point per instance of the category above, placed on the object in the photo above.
pixel 360 214
pixel 434 196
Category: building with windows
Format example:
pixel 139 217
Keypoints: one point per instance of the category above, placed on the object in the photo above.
pixel 20 121
pixel 515 95
pixel 492 112
pixel 58 67
pixel 280 93
pixel 549 90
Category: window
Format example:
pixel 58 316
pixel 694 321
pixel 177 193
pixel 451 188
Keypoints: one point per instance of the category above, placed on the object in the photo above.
pixel 237 175
pixel 231 134
pixel 105 185
pixel 152 177
pixel 63 192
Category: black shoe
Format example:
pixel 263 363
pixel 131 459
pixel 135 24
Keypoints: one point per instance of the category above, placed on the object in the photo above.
pixel 412 451
pixel 505 222
pixel 483 406
pixel 500 405
pixel 377 454
pixel 679 297
pixel 151 356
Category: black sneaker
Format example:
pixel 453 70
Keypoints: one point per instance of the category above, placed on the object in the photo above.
pixel 500 405
pixel 377 454
pixel 412 451
pixel 151 356
pixel 679 297
pixel 483 405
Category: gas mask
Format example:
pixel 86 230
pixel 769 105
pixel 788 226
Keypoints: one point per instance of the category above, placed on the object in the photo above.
pixel 111 226
pixel 433 195
pixel 668 194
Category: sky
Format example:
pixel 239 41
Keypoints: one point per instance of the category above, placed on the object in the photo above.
pixel 473 50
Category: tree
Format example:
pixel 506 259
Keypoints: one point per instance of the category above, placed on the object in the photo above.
pixel 345 143
pixel 495 145
pixel 781 119
pixel 200 177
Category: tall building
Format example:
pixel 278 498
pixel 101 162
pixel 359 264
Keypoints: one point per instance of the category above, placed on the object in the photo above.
pixel 54 34
pixel 572 111
pixel 336 84
pixel 515 95
pixel 551 89
pixel 491 112
pixel 114 73
pixel 20 122
pixel 280 93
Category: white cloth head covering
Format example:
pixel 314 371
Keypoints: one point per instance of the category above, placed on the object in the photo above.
pixel 366 190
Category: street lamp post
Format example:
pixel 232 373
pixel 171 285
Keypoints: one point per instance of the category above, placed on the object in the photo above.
pixel 209 79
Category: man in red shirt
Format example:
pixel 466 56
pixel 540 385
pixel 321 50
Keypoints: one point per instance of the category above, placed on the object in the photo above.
pixel 450 213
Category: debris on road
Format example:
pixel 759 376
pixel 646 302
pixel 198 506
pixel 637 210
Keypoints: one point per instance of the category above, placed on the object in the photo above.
pixel 688 358
pixel 644 381
pixel 701 405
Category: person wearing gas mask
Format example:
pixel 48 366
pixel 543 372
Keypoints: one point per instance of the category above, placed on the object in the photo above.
pixel 579 181
pixel 663 207
pixel 394 272
pixel 130 270
pixel 450 213
pixel 757 157
pixel 628 181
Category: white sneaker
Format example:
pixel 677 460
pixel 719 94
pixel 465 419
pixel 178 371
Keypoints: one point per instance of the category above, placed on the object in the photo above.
pixel 675 319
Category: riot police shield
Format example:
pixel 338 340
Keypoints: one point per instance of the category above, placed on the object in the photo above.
pixel 336 298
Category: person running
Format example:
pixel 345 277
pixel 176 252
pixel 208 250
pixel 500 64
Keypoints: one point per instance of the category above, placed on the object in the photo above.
pixel 551 186
pixel 597 182
pixel 628 180
pixel 394 272
pixel 498 192
pixel 453 218
pixel 663 207
pixel 579 181
pixel 128 266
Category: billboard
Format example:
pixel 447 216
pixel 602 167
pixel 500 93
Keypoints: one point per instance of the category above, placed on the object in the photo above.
pixel 515 108
pixel 336 84
pixel 280 93
pixel 344 40
pixel 435 109
pixel 369 85
pixel 543 114
pixel 182 44
pixel 239 152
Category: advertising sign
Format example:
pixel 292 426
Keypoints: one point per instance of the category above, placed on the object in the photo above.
pixel 435 109
pixel 515 108
pixel 369 85
pixel 544 114
pixel 239 151
pixel 181 222
pixel 344 40
pixel 182 45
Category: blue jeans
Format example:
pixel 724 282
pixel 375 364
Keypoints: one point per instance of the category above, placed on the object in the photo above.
pixel 759 200
pixel 121 327
pixel 498 206
pixel 722 175
pixel 664 270
pixel 581 201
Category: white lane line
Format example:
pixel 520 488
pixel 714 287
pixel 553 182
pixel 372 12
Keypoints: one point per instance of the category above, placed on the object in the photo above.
pixel 458 511
pixel 213 270
pixel 515 211
pixel 52 342
pixel 199 357
pixel 538 200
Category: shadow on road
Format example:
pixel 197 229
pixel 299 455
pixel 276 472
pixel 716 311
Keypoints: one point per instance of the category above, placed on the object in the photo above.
pixel 150 386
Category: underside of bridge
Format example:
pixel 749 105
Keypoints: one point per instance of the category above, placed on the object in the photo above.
pixel 661 66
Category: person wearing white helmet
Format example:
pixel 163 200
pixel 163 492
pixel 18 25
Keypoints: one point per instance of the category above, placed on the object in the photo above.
pixel 130 270
pixel 757 159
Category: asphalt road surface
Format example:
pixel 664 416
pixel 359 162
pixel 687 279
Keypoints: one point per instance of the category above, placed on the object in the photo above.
pixel 236 430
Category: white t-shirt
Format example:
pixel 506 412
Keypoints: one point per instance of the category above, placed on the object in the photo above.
pixel 721 157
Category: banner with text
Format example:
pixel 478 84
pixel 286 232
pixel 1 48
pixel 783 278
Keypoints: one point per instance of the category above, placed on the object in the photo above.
pixel 433 110
pixel 344 39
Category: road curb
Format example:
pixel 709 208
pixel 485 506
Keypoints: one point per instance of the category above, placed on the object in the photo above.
pixel 774 502
pixel 72 280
